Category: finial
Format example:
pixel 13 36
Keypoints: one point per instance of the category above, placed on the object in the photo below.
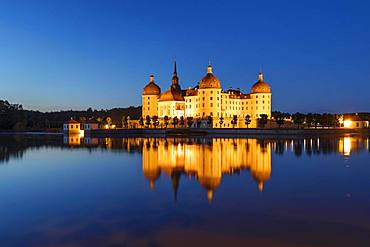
pixel 210 196
pixel 260 76
pixel 151 78
pixel 209 69
pixel 175 69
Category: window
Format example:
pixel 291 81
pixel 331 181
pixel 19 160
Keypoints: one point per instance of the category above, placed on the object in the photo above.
pixel 211 104
pixel 263 96
pixel 211 98
pixel 203 92
pixel 203 98
pixel 76 126
pixel 218 98
pixel 203 104
pixel 256 102
pixel 71 126
pixel 189 100
pixel 148 97
pixel 263 102
pixel 148 108
pixel 256 96
pixel 211 92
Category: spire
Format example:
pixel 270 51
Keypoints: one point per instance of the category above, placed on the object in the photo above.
pixel 175 69
pixel 151 78
pixel 175 79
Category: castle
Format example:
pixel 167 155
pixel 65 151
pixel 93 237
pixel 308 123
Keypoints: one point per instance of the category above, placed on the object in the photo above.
pixel 207 99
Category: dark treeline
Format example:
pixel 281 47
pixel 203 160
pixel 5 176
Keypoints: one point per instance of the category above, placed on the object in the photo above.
pixel 14 117
pixel 313 119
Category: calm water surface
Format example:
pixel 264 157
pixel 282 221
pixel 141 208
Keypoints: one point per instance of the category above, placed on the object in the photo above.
pixel 71 191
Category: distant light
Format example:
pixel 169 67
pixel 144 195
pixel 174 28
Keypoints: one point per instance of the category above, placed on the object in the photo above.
pixel 113 126
pixel 106 126
pixel 347 123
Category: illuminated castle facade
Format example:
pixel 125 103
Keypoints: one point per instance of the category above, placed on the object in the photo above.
pixel 207 99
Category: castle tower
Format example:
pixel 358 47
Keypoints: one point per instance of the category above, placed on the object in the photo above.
pixel 151 93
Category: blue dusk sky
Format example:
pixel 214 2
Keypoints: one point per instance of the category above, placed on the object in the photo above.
pixel 73 54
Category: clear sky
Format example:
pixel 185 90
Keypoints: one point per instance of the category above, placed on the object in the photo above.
pixel 73 54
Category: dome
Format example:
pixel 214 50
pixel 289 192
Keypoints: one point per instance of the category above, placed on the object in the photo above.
pixel 151 88
pixel 209 183
pixel 209 81
pixel 172 95
pixel 261 86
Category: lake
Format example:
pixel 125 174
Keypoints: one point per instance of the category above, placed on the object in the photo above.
pixel 71 191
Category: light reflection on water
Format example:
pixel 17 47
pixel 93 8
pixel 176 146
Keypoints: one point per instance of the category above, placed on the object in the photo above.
pixel 81 191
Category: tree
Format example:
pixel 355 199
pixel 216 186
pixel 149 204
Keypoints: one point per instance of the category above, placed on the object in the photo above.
pixel 128 121
pixel 209 121
pixel 189 121
pixel 165 121
pixel 316 119
pixel 309 119
pixel 108 121
pixel 141 122
pixel 234 121
pixel 262 120
pixel 221 121
pixel 182 122
pixel 124 121
pixel 147 121
pixel 155 121
pixel 247 120
pixel 298 118
pixel 280 119
pixel 175 121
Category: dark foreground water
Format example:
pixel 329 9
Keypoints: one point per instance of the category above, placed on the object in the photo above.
pixel 71 191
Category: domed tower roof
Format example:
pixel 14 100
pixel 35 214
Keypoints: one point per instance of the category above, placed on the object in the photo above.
pixel 172 95
pixel 152 175
pixel 210 184
pixel 209 80
pixel 261 86
pixel 151 88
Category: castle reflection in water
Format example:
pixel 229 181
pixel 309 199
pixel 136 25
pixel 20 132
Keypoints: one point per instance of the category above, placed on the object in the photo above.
pixel 206 159
pixel 209 159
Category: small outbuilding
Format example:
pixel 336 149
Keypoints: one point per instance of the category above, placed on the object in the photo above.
pixel 354 122
pixel 72 127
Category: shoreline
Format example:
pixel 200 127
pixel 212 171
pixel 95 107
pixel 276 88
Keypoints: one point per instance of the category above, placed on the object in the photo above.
pixel 226 132
pixel 203 132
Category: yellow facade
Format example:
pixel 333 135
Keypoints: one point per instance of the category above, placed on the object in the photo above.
pixel 209 99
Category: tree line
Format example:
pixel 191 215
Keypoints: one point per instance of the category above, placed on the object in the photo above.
pixel 14 117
